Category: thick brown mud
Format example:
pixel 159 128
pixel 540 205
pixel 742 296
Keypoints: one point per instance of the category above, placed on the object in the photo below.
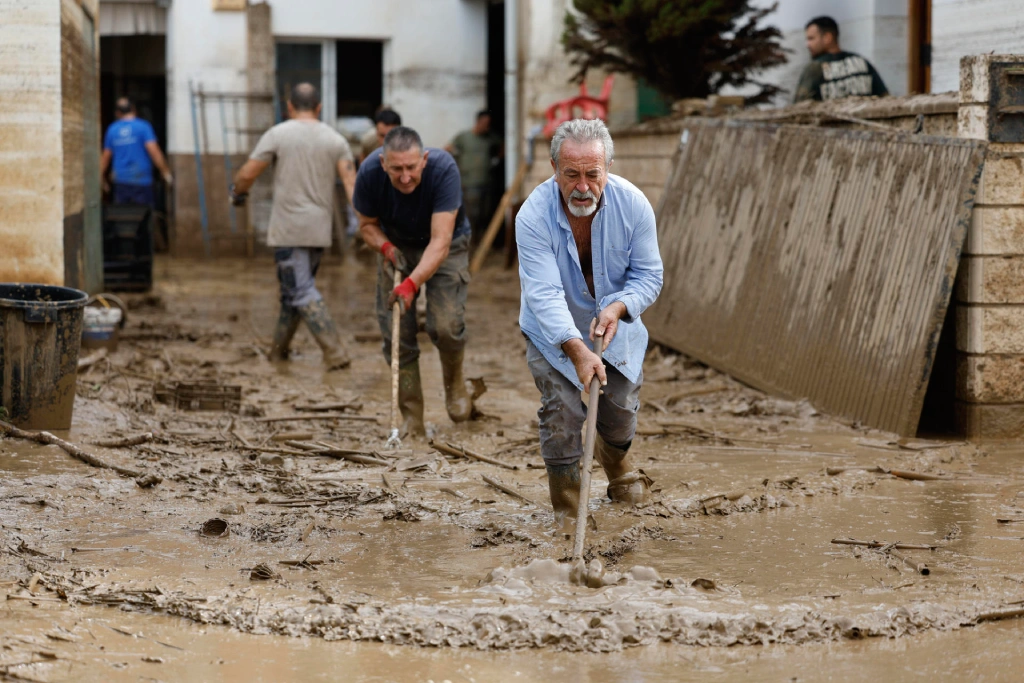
pixel 736 548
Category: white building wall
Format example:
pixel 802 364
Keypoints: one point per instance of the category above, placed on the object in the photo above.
pixel 971 27
pixel 875 29
pixel 208 48
pixel 435 54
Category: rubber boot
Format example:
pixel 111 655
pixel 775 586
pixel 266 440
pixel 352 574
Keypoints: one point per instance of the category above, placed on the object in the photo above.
pixel 287 324
pixel 410 399
pixel 456 399
pixel 625 484
pixel 564 486
pixel 320 323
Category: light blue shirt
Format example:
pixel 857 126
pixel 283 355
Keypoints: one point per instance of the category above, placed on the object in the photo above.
pixel 556 303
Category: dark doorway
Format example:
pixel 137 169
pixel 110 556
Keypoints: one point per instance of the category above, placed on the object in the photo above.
pixel 360 70
pixel 496 96
pixel 136 67
pixel 296 63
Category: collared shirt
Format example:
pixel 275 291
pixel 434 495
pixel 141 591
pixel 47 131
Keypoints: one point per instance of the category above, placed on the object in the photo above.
pixel 557 305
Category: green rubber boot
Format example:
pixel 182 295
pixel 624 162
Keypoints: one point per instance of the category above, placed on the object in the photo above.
pixel 287 324
pixel 320 323
pixel 625 483
pixel 564 486
pixel 410 399
pixel 456 399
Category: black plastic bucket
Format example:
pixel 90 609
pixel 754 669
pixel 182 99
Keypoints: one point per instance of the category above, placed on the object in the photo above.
pixel 40 336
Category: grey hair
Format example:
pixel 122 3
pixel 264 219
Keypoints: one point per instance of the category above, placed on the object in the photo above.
pixel 582 131
pixel 402 139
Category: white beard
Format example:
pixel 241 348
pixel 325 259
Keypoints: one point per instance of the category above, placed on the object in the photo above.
pixel 582 211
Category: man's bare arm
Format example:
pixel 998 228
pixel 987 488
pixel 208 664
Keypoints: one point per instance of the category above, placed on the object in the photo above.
pixel 153 149
pixel 369 229
pixel 442 227
pixel 105 162
pixel 347 173
pixel 248 174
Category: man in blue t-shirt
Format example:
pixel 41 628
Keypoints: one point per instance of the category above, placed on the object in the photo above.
pixel 409 202
pixel 130 151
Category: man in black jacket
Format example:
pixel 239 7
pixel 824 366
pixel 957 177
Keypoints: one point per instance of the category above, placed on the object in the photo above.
pixel 833 73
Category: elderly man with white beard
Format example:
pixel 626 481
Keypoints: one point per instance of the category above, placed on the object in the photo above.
pixel 589 266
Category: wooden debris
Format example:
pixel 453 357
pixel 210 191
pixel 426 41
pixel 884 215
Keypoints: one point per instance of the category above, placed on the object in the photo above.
pixel 325 407
pixel 879 544
pixel 307 531
pixel 917 476
pixel 127 441
pixel 919 567
pixel 853 468
pixel 462 452
pixel 69 448
pixel 506 490
pixel 318 416
pixel 91 360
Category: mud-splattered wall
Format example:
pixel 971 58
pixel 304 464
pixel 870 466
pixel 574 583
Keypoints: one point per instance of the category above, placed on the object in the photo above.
pixel 31 174
pixel 49 156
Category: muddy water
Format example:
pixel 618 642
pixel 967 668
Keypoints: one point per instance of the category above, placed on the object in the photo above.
pixel 739 534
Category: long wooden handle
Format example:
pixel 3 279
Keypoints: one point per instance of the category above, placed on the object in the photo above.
pixel 589 442
pixel 396 329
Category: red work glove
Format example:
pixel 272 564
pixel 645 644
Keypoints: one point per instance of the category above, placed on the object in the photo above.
pixel 394 256
pixel 405 293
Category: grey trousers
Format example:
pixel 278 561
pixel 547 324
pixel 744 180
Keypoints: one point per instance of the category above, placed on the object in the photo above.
pixel 562 413
pixel 446 304
pixel 296 271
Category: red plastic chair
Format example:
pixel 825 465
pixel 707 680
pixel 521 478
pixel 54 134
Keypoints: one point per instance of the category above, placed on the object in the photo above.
pixel 582 106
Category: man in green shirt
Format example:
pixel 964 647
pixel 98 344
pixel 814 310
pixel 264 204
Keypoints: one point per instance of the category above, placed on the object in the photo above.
pixel 477 151
pixel 833 73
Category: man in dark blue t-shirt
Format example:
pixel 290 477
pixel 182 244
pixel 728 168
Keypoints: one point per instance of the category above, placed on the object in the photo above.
pixel 130 150
pixel 409 202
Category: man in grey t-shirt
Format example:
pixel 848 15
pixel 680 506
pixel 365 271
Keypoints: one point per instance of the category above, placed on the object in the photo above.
pixel 307 155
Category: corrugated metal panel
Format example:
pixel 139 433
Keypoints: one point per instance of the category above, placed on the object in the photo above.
pixel 815 263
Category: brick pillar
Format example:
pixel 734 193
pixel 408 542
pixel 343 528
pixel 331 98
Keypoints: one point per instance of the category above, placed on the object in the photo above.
pixel 990 286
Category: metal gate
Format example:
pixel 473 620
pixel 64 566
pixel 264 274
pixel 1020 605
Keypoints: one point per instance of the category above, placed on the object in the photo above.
pixel 815 263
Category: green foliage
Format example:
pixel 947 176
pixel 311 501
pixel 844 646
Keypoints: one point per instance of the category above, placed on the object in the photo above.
pixel 683 48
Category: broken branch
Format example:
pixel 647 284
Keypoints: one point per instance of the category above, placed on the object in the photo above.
pixel 127 441
pixel 506 490
pixel 71 449
pixel 879 544
pixel 462 452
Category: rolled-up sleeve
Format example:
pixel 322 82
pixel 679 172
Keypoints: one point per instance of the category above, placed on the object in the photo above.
pixel 646 272
pixel 543 291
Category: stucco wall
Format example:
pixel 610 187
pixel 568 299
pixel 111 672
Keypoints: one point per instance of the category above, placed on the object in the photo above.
pixel 972 27
pixel 31 160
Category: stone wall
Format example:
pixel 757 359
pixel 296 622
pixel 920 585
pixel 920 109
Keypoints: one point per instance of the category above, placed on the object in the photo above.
pixel 990 292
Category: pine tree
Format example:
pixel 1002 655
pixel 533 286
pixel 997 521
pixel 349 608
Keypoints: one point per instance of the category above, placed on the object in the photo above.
pixel 682 48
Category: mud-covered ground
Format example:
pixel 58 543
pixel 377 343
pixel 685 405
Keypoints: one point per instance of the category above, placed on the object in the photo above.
pixel 107 580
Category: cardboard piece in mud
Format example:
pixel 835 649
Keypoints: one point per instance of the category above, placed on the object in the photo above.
pixel 815 263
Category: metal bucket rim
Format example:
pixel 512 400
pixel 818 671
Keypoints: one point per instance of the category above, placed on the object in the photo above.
pixel 78 301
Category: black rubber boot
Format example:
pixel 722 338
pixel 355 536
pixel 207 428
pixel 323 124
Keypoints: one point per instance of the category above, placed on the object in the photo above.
pixel 320 323
pixel 287 324
pixel 564 486
pixel 625 484
pixel 410 399
pixel 456 399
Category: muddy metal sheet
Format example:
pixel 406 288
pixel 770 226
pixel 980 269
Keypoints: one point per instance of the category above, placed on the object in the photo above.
pixel 815 263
